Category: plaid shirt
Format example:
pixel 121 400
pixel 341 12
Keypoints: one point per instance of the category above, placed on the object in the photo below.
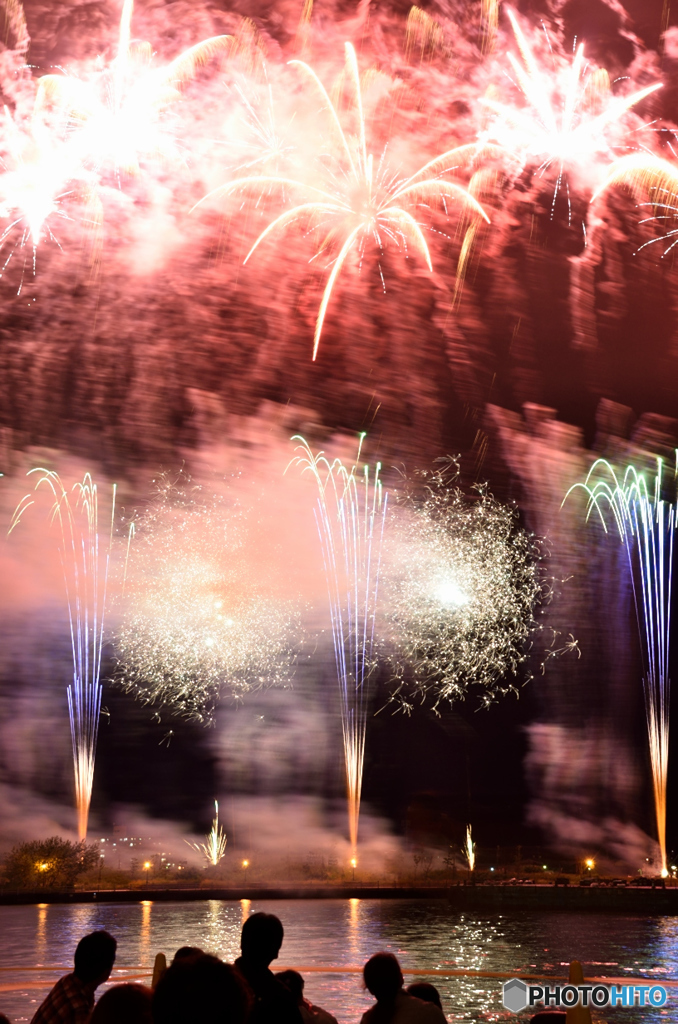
pixel 69 1002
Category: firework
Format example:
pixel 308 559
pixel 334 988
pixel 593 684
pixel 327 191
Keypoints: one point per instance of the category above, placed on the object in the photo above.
pixel 214 847
pixel 641 173
pixel 568 116
pixel 362 199
pixel 646 525
pixel 85 564
pixel 265 145
pixel 303 28
pixel 196 623
pixel 424 38
pixel 39 178
pixel 350 513
pixel 117 116
pixel 645 174
pixel 30 187
pixel 461 584
pixel 489 23
pixel 16 35
pixel 469 849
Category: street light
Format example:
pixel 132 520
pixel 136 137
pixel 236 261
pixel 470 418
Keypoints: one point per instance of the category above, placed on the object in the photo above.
pixel 245 865
pixel 590 863
pixel 354 864
pixel 147 868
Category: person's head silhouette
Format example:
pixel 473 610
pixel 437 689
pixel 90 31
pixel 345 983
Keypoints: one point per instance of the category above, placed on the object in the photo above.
pixel 294 983
pixel 383 977
pixel 94 958
pixel 131 1003
pixel 426 992
pixel 200 989
pixel 261 938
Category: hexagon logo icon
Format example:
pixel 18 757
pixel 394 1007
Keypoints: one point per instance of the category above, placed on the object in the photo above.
pixel 515 995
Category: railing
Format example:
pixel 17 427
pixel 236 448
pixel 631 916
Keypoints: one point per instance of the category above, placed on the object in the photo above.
pixel 141 972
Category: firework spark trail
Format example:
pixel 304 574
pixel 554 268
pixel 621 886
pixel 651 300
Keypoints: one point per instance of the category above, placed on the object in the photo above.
pixel 646 524
pixel 646 174
pixel 460 587
pixel 489 24
pixel 641 173
pixel 85 567
pixel 214 847
pixel 196 623
pixel 350 515
pixel 469 849
pixel 263 143
pixel 360 200
pixel 566 132
pixel 423 36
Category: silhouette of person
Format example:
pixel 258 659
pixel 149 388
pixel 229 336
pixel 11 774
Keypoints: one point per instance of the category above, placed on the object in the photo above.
pixel 310 1014
pixel 200 989
pixel 124 1004
pixel 260 942
pixel 384 979
pixel 186 951
pixel 72 998
pixel 425 991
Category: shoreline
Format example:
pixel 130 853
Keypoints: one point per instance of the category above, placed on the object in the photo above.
pixel 488 898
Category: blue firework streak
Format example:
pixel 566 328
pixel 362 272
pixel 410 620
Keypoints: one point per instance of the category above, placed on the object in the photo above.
pixel 646 524
pixel 350 515
pixel 85 563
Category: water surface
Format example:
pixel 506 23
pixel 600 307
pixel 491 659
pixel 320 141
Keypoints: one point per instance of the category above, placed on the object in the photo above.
pixel 37 943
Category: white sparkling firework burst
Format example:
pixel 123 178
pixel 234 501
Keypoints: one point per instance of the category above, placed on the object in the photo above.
pixel 358 202
pixel 461 583
pixel 116 115
pixel 39 180
pixel 569 113
pixel 199 621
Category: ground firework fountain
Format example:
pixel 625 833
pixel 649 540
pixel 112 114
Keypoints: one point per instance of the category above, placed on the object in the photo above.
pixel 469 849
pixel 85 562
pixel 350 514
pixel 646 525
pixel 214 847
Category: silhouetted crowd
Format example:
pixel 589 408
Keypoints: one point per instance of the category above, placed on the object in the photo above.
pixel 198 988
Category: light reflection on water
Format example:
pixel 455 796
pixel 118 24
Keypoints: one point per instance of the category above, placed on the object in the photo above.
pixel 145 932
pixel 423 934
pixel 41 935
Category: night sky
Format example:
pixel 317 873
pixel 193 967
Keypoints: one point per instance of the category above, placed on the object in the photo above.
pixel 172 352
